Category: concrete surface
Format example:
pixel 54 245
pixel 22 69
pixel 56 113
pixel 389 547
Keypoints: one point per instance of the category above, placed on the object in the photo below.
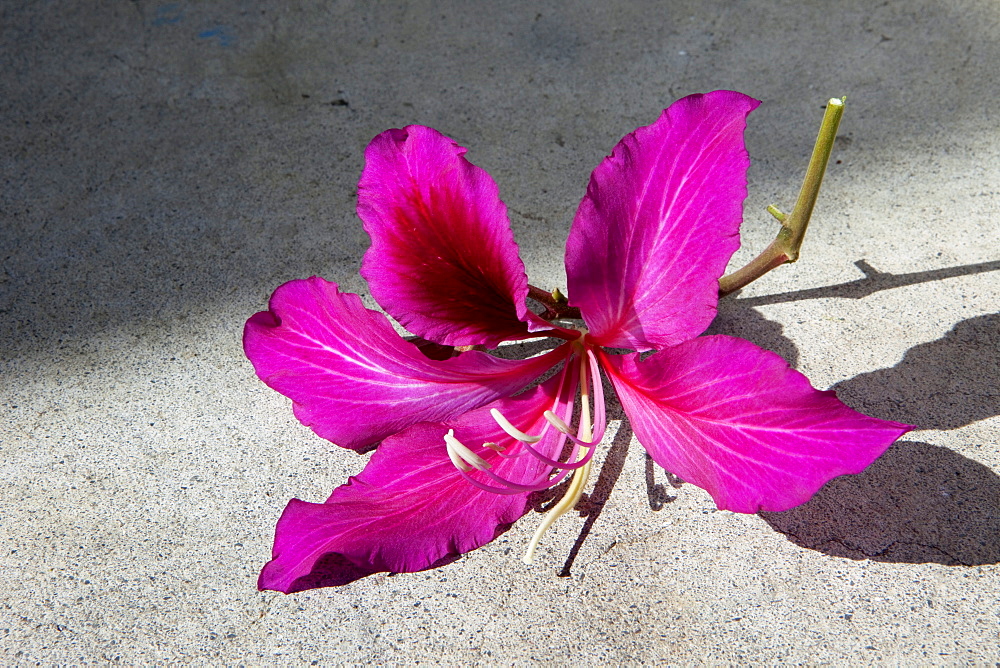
pixel 166 165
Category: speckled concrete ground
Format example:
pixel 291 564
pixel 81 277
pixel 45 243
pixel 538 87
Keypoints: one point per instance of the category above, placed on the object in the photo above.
pixel 166 165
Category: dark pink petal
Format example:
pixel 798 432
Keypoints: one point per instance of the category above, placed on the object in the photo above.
pixel 659 223
pixel 443 261
pixel 735 420
pixel 410 509
pixel 354 380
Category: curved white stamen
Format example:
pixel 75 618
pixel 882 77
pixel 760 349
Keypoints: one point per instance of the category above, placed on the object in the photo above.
pixel 581 371
pixel 585 438
pixel 557 422
pixel 509 487
pixel 600 407
pixel 568 464
pixel 461 456
pixel 565 429
pixel 511 429
pixel 550 443
pixel 455 459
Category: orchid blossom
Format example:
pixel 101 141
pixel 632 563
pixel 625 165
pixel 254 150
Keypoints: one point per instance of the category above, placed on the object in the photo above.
pixel 461 443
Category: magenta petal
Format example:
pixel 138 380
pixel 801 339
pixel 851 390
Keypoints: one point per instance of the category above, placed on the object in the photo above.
pixel 410 509
pixel 659 223
pixel 354 380
pixel 735 420
pixel 443 261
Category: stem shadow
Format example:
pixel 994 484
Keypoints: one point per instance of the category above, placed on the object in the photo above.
pixel 874 281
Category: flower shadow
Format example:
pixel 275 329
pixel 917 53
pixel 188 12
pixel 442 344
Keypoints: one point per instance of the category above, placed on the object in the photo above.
pixel 918 503
pixel 736 318
pixel 656 493
pixel 733 319
pixel 944 384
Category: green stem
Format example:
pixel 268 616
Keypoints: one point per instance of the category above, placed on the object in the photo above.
pixel 785 247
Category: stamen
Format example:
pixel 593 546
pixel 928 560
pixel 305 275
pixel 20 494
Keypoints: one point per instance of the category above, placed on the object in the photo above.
pixel 600 407
pixel 456 460
pixel 584 438
pixel 551 443
pixel 509 487
pixel 568 464
pixel 461 456
pixel 557 422
pixel 511 429
pixel 566 504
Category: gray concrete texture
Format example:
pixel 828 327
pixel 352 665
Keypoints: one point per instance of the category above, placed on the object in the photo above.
pixel 164 166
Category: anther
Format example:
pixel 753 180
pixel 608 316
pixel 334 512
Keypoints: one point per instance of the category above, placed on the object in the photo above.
pixel 557 422
pixel 511 429
pixel 461 456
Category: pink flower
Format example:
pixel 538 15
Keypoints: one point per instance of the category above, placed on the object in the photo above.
pixel 460 451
